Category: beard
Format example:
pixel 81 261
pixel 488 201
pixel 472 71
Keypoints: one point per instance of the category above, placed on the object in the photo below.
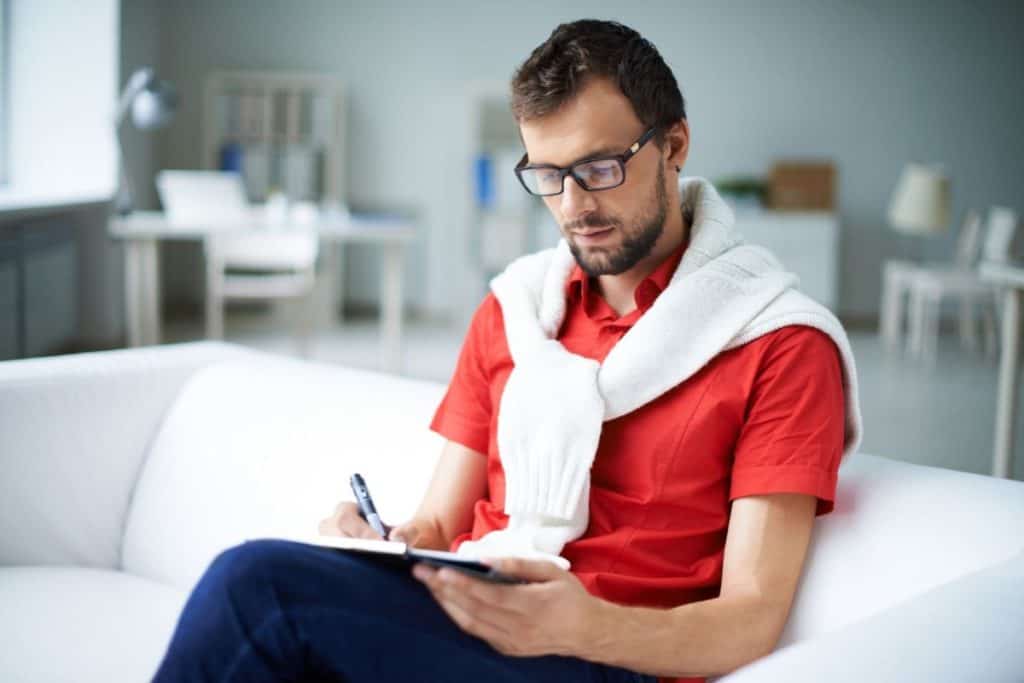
pixel 637 242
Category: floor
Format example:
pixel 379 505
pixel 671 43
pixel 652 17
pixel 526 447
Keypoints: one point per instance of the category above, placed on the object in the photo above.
pixel 940 414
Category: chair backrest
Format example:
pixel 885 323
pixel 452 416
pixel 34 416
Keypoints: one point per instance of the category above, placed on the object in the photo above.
pixel 218 199
pixel 267 250
pixel 203 198
pixel 968 242
pixel 1002 225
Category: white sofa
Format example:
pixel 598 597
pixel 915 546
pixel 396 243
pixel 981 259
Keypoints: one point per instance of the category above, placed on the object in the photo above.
pixel 123 473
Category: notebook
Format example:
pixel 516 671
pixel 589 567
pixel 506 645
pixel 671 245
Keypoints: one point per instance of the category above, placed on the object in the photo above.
pixel 395 553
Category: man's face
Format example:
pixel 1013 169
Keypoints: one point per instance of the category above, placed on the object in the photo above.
pixel 608 231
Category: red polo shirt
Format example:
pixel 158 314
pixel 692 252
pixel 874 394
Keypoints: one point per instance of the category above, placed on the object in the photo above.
pixel 767 417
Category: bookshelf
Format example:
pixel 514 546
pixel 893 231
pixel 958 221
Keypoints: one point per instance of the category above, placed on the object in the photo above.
pixel 504 222
pixel 282 131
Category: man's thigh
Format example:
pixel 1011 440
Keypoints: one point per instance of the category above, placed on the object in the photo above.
pixel 363 620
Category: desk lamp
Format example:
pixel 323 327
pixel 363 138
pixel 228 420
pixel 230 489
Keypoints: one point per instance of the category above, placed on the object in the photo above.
pixel 152 104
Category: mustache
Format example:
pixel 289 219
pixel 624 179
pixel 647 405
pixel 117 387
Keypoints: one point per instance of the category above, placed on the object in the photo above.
pixel 592 221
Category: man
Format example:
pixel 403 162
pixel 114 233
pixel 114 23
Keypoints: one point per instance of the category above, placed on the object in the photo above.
pixel 686 538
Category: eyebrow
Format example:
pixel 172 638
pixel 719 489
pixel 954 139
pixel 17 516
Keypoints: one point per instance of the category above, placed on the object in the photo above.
pixel 601 152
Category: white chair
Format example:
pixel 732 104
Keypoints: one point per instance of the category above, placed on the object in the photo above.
pixel 243 261
pixel 929 286
pixel 897 276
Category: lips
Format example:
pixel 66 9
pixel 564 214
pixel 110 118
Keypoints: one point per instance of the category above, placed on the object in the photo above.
pixel 592 237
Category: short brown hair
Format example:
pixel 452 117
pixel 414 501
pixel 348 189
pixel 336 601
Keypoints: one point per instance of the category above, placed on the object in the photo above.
pixel 557 69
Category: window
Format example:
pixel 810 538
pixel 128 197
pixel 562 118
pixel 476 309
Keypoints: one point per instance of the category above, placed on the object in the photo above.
pixel 3 92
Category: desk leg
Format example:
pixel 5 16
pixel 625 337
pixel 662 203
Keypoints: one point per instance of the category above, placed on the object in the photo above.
pixel 328 297
pixel 1006 404
pixel 151 292
pixel 391 308
pixel 338 291
pixel 142 291
pixel 214 307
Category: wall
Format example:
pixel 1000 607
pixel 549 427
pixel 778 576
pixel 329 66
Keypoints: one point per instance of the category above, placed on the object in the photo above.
pixel 62 70
pixel 869 84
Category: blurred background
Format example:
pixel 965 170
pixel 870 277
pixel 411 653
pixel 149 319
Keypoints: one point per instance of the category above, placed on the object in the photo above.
pixel 877 147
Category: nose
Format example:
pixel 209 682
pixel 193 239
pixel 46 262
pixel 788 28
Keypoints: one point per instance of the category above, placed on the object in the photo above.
pixel 576 201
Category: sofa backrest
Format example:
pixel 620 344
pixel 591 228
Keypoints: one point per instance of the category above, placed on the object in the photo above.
pixel 265 448
pixel 898 530
pixel 73 433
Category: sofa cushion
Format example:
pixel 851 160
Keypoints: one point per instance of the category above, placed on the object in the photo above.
pixel 83 625
pixel 899 530
pixel 265 448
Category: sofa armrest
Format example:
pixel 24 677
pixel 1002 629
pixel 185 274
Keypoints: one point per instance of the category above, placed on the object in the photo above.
pixel 74 431
pixel 970 629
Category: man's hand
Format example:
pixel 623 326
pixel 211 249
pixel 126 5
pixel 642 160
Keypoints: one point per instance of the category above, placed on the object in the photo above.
pixel 346 521
pixel 550 615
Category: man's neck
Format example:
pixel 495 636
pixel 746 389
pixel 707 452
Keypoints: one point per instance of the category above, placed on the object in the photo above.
pixel 618 290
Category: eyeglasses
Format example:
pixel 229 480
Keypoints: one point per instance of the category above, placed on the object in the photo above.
pixel 597 173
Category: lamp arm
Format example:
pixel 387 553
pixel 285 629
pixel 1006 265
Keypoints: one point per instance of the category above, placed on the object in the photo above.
pixel 136 84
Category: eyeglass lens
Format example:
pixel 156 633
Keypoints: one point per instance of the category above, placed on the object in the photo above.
pixel 599 174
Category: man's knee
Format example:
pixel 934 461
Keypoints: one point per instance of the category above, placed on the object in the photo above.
pixel 249 563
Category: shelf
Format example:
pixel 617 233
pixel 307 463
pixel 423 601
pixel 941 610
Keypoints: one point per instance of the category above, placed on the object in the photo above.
pixel 281 130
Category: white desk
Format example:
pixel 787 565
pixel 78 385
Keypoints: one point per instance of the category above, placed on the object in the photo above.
pixel 1011 279
pixel 141 233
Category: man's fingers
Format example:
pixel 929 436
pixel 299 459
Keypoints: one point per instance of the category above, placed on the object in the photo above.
pixel 510 599
pixel 477 625
pixel 476 595
pixel 327 527
pixel 346 521
pixel 362 530
pixel 406 533
pixel 531 570
pixel 472 616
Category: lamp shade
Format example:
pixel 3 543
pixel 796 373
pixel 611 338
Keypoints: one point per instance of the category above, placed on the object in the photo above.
pixel 920 203
pixel 154 106
pixel 150 101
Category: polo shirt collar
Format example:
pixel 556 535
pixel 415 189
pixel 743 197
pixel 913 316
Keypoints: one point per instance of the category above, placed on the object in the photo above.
pixel 579 289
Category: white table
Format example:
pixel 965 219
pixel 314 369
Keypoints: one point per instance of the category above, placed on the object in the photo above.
pixel 1011 279
pixel 142 232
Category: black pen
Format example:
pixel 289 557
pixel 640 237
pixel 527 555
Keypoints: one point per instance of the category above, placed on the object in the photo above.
pixel 366 506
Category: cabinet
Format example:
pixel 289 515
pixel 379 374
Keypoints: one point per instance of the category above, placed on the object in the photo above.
pixel 282 131
pixel 38 287
pixel 807 243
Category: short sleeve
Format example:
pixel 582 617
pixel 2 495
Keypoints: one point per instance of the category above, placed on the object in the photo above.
pixel 464 415
pixel 792 437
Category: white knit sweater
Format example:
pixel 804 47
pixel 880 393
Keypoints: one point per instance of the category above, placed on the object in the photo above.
pixel 723 294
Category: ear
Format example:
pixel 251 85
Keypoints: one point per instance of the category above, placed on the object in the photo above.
pixel 677 146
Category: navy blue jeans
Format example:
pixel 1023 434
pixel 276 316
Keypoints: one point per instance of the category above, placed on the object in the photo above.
pixel 280 611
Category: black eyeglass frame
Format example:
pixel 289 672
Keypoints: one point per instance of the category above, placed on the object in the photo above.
pixel 630 152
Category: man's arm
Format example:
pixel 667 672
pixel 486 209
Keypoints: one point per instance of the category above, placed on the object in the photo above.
pixel 764 555
pixel 458 482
